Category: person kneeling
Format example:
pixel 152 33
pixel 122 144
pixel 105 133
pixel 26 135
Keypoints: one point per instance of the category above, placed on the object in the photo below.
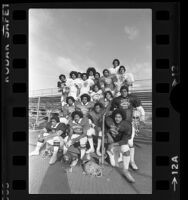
pixel 119 131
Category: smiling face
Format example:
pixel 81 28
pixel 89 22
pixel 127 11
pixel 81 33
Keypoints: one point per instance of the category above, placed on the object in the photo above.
pixel 76 118
pixel 118 118
pixel 62 78
pixel 84 100
pixel 108 96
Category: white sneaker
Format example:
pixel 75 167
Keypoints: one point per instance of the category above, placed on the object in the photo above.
pixel 133 165
pixel 53 159
pixel 34 153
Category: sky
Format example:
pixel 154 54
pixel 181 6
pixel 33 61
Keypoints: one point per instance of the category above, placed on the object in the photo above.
pixel 64 40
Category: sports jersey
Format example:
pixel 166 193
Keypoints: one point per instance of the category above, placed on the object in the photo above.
pixel 120 133
pixel 96 96
pixel 85 86
pixel 124 103
pixel 81 127
pixel 84 108
pixel 96 118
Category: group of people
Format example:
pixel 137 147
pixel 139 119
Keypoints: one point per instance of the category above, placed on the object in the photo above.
pixel 96 107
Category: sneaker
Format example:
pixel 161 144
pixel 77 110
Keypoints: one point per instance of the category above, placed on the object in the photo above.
pixel 133 166
pixel 34 153
pixel 53 159
pixel 128 175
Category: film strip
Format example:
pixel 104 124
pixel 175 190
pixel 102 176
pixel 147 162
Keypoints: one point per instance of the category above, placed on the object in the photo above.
pixel 166 119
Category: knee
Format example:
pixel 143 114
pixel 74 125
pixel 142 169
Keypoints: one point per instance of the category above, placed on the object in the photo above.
pixel 83 142
pixel 125 150
pixel 126 153
pixel 91 132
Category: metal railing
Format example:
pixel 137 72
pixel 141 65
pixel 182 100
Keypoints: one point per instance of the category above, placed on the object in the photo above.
pixel 138 85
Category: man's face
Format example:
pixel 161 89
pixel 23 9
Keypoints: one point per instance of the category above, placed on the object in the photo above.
pixel 97 109
pixel 84 100
pixel 84 77
pixel 73 76
pixel 124 93
pixel 118 118
pixel 76 118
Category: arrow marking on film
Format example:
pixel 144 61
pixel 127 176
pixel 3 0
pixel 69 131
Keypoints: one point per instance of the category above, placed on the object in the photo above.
pixel 174 182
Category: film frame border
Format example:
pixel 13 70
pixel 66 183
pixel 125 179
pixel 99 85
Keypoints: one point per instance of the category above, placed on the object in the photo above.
pixel 164 55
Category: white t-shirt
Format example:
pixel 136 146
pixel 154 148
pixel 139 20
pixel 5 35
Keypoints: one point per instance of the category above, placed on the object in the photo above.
pixel 124 77
pixel 95 96
pixel 113 70
pixel 73 89
pixel 85 86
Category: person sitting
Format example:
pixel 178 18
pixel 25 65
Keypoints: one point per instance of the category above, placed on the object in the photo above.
pixel 78 127
pixel 97 93
pixel 54 135
pixel 85 105
pixel 118 132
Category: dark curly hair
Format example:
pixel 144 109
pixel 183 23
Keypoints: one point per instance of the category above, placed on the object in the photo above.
pixel 56 118
pixel 124 87
pixel 116 60
pixel 84 74
pixel 121 68
pixel 118 111
pixel 109 93
pixel 70 97
pixel 85 95
pixel 106 70
pixel 79 113
pixel 91 69
pixel 73 72
pixel 61 76
pixel 98 104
